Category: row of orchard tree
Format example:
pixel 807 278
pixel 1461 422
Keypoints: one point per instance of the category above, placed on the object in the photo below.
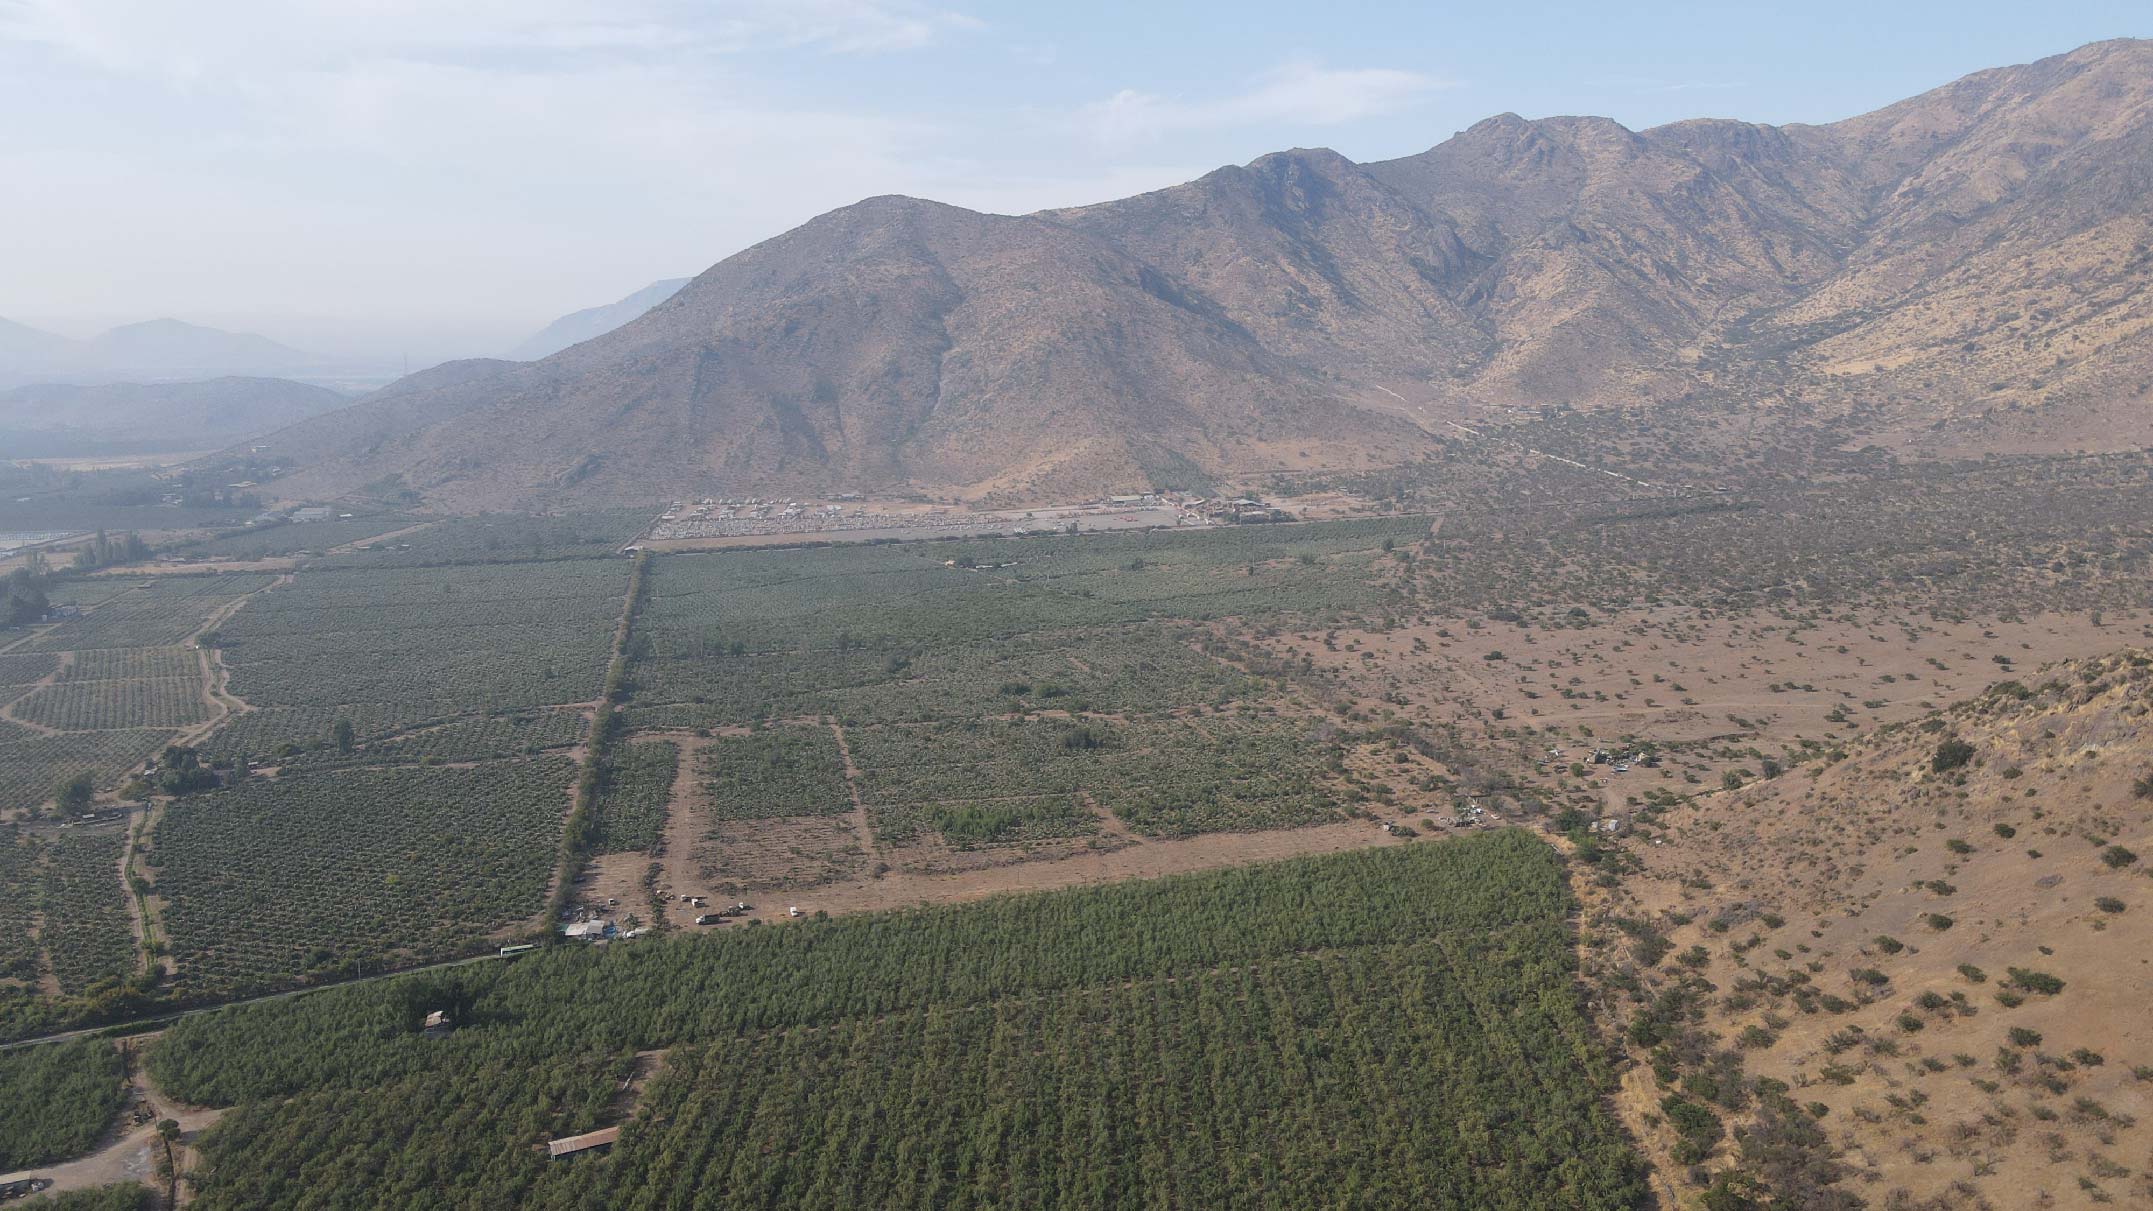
pixel 1376 1028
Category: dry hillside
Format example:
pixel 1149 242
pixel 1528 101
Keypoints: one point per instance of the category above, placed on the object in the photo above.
pixel 1915 972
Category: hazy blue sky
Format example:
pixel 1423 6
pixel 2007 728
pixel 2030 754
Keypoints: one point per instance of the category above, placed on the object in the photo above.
pixel 441 177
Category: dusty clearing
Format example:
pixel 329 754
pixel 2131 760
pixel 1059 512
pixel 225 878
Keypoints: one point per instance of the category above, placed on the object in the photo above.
pixel 685 824
pixel 1135 860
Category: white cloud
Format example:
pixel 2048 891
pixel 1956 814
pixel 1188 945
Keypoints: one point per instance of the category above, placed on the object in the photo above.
pixel 198 40
pixel 423 169
pixel 1297 94
pixel 848 25
pixel 441 176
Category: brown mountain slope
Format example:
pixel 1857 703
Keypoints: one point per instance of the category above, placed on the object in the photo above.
pixel 893 341
pixel 1974 256
pixel 1315 258
pixel 1609 252
pixel 2006 266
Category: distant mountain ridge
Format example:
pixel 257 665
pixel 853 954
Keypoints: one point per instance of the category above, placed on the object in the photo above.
pixel 580 326
pixel 60 420
pixel 167 346
pixel 24 344
pixel 1964 268
pixel 154 350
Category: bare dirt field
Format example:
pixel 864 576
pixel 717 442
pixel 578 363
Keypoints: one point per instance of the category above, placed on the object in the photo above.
pixel 1137 859
pixel 915 524
pixel 618 880
pixel 786 852
pixel 274 563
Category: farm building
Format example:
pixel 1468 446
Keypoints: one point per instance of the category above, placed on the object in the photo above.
pixel 570 1145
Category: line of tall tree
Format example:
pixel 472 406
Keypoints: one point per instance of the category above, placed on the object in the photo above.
pixel 26 592
pixel 22 597
pixel 108 550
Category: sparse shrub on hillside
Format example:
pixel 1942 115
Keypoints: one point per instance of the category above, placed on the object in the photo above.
pixel 2116 857
pixel 2036 981
pixel 1696 1127
pixel 1951 755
